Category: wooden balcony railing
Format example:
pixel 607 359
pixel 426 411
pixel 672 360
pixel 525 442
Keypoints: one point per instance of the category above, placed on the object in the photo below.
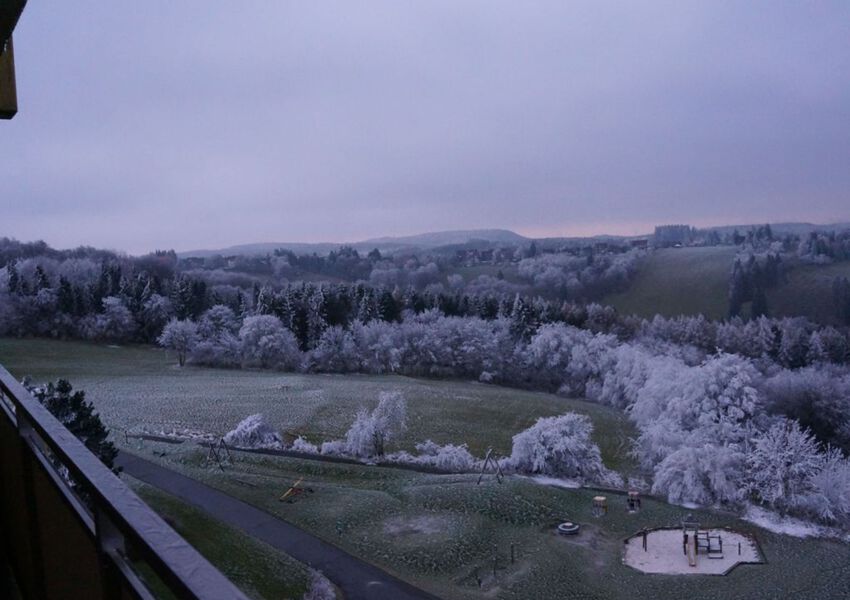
pixel 90 540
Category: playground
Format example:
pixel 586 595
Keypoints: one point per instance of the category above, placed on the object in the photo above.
pixel 690 550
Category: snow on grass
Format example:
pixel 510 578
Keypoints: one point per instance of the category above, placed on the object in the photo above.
pixel 570 484
pixel 789 525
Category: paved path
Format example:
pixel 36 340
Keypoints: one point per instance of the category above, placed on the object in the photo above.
pixel 357 579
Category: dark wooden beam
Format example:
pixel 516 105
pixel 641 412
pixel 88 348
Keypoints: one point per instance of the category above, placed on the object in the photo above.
pixel 10 12
pixel 8 93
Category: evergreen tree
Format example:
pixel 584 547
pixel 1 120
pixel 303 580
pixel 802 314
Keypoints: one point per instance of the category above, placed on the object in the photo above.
pixel 759 305
pixel 388 308
pixel 736 290
pixel 523 322
pixel 65 297
pixel 14 278
pixel 42 282
pixel 78 416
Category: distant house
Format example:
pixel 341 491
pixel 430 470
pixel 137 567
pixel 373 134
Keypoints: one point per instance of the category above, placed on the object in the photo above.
pixel 641 244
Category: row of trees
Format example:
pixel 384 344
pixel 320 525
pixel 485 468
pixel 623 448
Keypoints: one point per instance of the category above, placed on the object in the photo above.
pixel 559 446
pixel 449 343
pixel 749 281
pixel 700 413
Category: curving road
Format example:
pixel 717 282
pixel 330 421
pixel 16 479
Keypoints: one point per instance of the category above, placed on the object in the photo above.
pixel 357 579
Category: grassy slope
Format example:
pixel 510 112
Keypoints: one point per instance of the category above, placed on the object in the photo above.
pixel 689 281
pixel 261 571
pixel 139 387
pixel 808 291
pixel 677 281
pixel 439 531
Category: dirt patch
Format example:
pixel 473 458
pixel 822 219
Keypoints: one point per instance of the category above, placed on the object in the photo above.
pixel 602 548
pixel 421 525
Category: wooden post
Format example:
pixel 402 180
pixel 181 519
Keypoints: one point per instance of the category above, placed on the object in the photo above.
pixel 8 93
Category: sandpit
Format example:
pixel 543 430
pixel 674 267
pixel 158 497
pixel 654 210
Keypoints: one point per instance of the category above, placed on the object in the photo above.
pixel 665 554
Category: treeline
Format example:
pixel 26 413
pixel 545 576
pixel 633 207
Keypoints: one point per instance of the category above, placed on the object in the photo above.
pixel 825 247
pixel 132 300
pixel 749 281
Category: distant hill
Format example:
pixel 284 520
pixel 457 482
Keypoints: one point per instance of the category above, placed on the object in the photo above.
pixel 446 238
pixel 262 248
pixel 388 244
pixel 466 237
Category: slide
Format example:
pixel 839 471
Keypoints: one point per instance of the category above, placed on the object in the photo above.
pixel 692 557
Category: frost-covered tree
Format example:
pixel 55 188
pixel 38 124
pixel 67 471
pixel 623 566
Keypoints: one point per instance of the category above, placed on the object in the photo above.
pixel 180 336
pixel 818 397
pixel 781 464
pixel 218 344
pixel 302 445
pixel 705 475
pixel 371 431
pixel 451 458
pixel 714 403
pixel 223 350
pixel 793 346
pixel 267 343
pixel 216 321
pixel 830 497
pixel 155 313
pixel 558 446
pixel 379 346
pixel 335 352
pixel 115 322
pixel 254 432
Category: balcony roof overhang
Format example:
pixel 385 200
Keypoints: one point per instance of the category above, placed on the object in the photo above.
pixel 10 12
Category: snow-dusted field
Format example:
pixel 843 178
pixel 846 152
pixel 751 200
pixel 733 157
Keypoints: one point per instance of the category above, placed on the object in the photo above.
pixel 140 389
pixel 437 531
pixel 665 554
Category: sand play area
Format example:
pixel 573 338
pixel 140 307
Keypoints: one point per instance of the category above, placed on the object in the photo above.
pixel 666 553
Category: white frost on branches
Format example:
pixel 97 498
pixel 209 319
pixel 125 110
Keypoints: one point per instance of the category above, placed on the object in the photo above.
pixel 371 431
pixel 254 432
pixel 449 458
pixel 559 447
pixel 320 587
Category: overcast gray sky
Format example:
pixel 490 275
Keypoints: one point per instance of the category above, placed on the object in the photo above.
pixel 197 124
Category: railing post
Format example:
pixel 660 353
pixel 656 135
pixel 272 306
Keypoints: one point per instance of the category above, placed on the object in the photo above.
pixel 110 545
pixel 27 461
